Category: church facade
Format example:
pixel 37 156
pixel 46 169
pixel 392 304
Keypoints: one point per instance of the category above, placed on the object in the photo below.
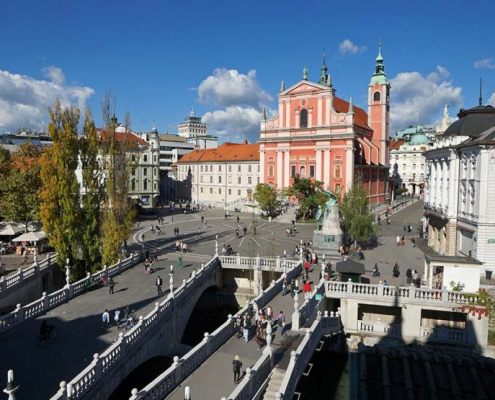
pixel 320 136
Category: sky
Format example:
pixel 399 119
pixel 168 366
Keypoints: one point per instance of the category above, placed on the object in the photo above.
pixel 225 59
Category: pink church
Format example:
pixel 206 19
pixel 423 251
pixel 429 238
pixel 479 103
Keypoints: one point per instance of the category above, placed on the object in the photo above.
pixel 322 137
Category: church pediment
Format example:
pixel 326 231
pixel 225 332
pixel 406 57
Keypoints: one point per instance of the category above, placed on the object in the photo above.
pixel 303 87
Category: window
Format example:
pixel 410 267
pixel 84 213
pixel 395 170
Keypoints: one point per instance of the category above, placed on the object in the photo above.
pixel 145 171
pixel 302 172
pixel 201 178
pixel 154 171
pixel 238 168
pixel 258 168
pixel 219 179
pixel 133 172
pixel 230 168
pixel 230 192
pixel 293 170
pixel 304 118
pixel 219 191
pixel 239 181
pixel 249 180
pixel 270 170
pixel 145 185
pixel 219 168
pixel 239 192
pixel 258 180
pixel 133 185
pixel 311 171
pixel 154 158
pixel 230 179
pixel 211 190
pixel 201 168
pixel 211 168
pixel 376 96
pixel 414 166
pixel 211 179
pixel 249 168
pixel 337 187
pixel 145 158
pixel 201 190
pixel 155 185
pixel 337 172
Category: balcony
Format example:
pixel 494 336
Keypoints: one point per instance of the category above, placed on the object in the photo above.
pixel 378 328
pixel 444 335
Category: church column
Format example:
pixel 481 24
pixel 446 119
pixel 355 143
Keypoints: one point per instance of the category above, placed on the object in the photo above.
pixel 279 169
pixel 320 110
pixel 310 117
pixel 286 168
pixel 318 165
pixel 287 114
pixel 262 166
pixel 281 113
pixel 326 168
pixel 298 118
pixel 349 165
pixel 327 111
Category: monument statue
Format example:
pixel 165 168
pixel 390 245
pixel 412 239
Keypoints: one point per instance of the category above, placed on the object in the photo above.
pixel 328 234
pixel 305 74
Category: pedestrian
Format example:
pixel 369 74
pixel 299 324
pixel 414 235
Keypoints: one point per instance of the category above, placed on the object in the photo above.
pixel 398 240
pixel 247 325
pixel 105 319
pixel 159 284
pixel 244 230
pixel 413 243
pixel 281 322
pixel 177 245
pixel 238 220
pixel 116 318
pixel 402 240
pixel 226 216
pixel 292 288
pixel 307 289
pixel 111 285
pixel 284 287
pixel 155 255
pixel 179 261
pixel 237 368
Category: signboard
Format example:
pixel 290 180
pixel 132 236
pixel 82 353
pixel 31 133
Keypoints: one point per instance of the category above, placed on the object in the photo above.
pixel 318 296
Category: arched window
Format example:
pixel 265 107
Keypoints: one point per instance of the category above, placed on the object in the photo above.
pixel 145 186
pixel 337 188
pixel 376 96
pixel 304 118
pixel 302 172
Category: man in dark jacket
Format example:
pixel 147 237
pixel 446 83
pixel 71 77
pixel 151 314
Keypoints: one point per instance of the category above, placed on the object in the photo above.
pixel 236 365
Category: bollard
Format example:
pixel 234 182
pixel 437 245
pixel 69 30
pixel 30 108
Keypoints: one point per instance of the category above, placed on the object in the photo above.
pixel 11 388
pixel 187 393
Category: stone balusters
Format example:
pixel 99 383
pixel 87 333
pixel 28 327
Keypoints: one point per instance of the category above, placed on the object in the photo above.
pixel 296 318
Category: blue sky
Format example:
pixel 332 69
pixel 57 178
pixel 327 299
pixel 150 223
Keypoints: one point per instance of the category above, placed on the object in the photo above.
pixel 226 59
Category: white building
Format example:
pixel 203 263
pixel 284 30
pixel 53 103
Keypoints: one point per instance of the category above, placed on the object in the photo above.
pixel 460 188
pixel 219 176
pixel 196 133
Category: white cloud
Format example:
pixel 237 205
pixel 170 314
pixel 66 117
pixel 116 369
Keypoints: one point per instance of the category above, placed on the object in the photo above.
pixel 484 63
pixel 348 47
pixel 24 100
pixel 229 88
pixel 235 123
pixel 415 98
pixel 491 100
pixel 444 72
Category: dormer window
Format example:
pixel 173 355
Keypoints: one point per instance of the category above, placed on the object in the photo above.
pixel 304 118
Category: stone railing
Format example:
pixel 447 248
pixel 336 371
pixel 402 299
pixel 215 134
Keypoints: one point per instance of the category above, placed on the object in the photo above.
pixel 300 358
pixel 254 378
pixel 52 300
pixel 309 309
pixel 263 263
pixel 128 342
pixel 379 328
pixel 11 282
pixel 183 367
pixel 444 335
pixel 391 293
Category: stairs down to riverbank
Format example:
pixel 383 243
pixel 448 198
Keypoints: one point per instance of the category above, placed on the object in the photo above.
pixel 274 384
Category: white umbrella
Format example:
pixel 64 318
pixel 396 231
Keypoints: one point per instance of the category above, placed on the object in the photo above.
pixel 30 237
pixel 10 229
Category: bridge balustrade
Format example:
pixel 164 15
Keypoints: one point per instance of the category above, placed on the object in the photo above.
pixel 49 301
pixel 378 292
pixel 254 379
pixel 328 325
pixel 263 263
pixel 11 282
pixel 164 384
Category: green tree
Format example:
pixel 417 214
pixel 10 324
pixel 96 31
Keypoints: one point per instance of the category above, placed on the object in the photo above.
pixel 309 196
pixel 357 220
pixel 93 194
pixel 118 209
pixel 21 183
pixel 60 199
pixel 266 196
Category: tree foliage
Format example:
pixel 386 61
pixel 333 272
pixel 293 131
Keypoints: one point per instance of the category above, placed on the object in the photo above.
pixel 357 220
pixel 21 183
pixel 60 195
pixel 266 196
pixel 309 196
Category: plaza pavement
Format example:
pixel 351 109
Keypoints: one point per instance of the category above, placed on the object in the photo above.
pixel 39 371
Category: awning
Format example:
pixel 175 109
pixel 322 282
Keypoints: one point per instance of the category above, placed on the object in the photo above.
pixel 31 237
pixel 11 229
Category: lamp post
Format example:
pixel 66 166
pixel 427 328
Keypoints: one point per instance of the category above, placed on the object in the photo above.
pixel 323 266
pixel 171 279
pixel 11 388
pixel 285 264
pixel 67 271
pixel 216 245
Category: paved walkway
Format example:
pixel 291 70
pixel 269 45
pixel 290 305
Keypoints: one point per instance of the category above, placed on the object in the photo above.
pixel 218 368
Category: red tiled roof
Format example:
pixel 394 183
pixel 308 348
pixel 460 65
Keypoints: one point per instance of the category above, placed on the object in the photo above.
pixel 395 144
pixel 125 136
pixel 225 152
pixel 360 116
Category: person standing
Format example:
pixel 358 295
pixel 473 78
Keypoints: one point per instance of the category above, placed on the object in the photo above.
pixel 284 287
pixel 111 285
pixel 281 322
pixel 105 319
pixel 398 240
pixel 159 284
pixel 179 261
pixel 236 365
pixel 116 318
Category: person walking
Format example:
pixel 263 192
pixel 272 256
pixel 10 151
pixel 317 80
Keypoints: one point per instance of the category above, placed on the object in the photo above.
pixel 281 322
pixel 179 261
pixel 398 240
pixel 244 230
pixel 105 319
pixel 159 284
pixel 116 318
pixel 284 287
pixel 292 288
pixel 247 326
pixel 236 365
pixel 111 285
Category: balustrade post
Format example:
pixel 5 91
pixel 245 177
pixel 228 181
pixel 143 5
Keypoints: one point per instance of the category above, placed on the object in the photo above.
pixel 207 341
pixel 11 388
pixel 445 295
pixel 248 378
pixel 134 394
pixel 277 264
pixel 296 318
pixel 105 271
pixel 21 274
pixel 120 265
pixel 3 283
pixel 48 261
pixel 97 366
pixel 20 313
pixel 46 301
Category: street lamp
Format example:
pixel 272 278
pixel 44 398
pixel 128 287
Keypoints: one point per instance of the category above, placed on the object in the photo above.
pixel 323 266
pixel 216 245
pixel 67 271
pixel 285 263
pixel 171 279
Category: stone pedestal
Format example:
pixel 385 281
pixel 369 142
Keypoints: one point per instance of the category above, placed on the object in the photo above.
pixel 328 240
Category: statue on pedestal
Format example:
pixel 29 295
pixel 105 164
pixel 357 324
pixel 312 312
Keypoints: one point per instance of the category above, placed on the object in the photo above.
pixel 328 234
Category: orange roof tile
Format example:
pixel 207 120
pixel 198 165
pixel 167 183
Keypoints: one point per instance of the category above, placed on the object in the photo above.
pixel 360 116
pixel 227 152
pixel 123 136
pixel 395 144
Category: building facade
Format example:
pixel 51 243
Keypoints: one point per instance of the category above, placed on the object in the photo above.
pixel 319 136
pixel 459 213
pixel 196 133
pixel 219 176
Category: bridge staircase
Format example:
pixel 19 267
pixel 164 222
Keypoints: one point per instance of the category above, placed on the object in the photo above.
pixel 274 383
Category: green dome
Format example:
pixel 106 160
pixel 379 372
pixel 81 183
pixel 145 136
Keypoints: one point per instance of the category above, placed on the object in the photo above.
pixel 419 139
